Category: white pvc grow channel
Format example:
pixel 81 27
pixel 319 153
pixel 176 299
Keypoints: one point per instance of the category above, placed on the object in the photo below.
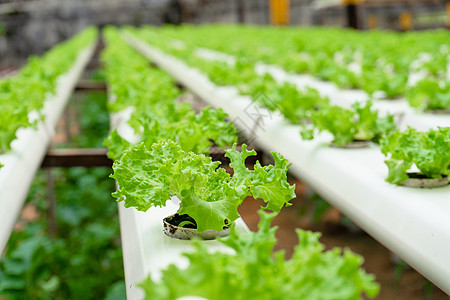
pixel 413 223
pixel 407 115
pixel 28 150
pixel 146 249
pixel 339 96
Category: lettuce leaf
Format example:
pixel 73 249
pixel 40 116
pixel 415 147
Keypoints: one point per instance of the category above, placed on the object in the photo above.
pixel 359 122
pixel 116 145
pixel 429 94
pixel 149 177
pixel 193 132
pixel 428 151
pixel 384 59
pixel 255 273
pixel 157 114
pixel 296 106
pixel 268 183
pixel 22 94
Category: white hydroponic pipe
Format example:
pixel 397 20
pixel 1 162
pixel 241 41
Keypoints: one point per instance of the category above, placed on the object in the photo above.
pixel 146 249
pixel 407 116
pixel 339 96
pixel 28 150
pixel 413 223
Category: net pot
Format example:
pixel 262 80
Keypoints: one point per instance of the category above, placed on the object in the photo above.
pixel 417 180
pixel 355 144
pixel 445 111
pixel 172 229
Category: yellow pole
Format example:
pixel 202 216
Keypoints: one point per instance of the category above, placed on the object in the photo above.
pixel 350 2
pixel 372 21
pixel 448 14
pixel 284 12
pixel 273 11
pixel 405 21
pixel 279 12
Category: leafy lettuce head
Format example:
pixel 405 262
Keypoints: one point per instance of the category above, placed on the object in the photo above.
pixel 255 272
pixel 150 177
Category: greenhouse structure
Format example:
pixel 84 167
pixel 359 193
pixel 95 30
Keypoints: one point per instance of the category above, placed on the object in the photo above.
pixel 242 149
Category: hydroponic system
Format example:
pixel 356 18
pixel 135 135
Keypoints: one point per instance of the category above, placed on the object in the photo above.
pixel 362 118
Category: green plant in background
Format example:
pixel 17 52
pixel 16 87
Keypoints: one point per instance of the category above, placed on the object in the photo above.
pixel 428 151
pixel 347 125
pixel 319 207
pixel 94 121
pixel 27 92
pixel 149 177
pixel 295 105
pixel 393 85
pixel 157 115
pixel 255 272
pixel 141 88
pixel 84 258
pixel 193 132
pixel 436 66
pixel 373 61
pixel 430 94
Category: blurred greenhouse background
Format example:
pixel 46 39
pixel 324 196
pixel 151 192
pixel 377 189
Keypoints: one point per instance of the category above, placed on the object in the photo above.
pixel 88 83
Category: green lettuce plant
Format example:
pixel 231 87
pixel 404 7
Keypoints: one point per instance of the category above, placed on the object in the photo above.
pixel 83 259
pixel 359 122
pixel 384 58
pixel 393 85
pixel 193 132
pixel 143 87
pixel 22 94
pixel 148 177
pixel 255 272
pixel 436 66
pixel 429 94
pixel 428 151
pixel 157 114
pixel 296 106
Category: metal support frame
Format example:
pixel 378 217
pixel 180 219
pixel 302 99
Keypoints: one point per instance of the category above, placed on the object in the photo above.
pixel 240 11
pixel 352 16
pixel 68 158
pixel 90 86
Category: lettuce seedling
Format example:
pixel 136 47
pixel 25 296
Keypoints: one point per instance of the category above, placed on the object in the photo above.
pixel 428 151
pixel 393 85
pixel 150 177
pixel 347 125
pixel 254 272
pixel 296 106
pixel 193 132
pixel 429 94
